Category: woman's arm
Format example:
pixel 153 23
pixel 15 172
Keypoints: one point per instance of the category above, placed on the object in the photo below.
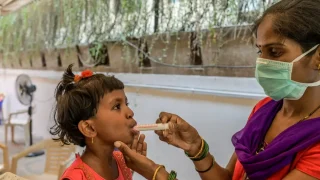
pixel 182 135
pixel 210 168
pixel 297 175
pixel 308 165
pixel 216 172
pixel 141 164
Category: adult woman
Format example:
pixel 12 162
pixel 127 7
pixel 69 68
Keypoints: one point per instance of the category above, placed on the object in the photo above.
pixel 281 139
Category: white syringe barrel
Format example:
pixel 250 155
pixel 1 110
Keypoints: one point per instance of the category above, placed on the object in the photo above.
pixel 151 127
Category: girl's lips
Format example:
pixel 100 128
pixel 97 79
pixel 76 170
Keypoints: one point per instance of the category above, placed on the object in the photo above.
pixel 134 131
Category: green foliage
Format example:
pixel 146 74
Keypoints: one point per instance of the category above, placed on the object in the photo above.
pixel 48 24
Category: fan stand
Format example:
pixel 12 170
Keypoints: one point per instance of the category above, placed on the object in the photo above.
pixel 37 153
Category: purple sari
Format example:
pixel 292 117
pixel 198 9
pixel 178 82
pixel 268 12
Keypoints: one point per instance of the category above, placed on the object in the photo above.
pixel 281 151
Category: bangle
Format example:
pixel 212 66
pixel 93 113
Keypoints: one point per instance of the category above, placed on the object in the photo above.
pixel 172 175
pixel 201 150
pixel 204 152
pixel 210 167
pixel 156 172
pixel 198 154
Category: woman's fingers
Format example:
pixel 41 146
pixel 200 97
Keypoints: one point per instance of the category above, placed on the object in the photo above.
pixel 126 151
pixel 144 149
pixel 163 139
pixel 165 117
pixel 135 142
pixel 159 133
pixel 140 143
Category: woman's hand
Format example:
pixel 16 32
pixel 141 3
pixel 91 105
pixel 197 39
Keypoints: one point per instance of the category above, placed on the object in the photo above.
pixel 140 163
pixel 138 145
pixel 180 133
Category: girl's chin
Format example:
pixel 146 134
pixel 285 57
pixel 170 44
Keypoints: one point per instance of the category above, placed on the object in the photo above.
pixel 128 139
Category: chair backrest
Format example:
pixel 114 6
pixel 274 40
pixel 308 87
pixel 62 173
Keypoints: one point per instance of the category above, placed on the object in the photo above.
pixel 56 153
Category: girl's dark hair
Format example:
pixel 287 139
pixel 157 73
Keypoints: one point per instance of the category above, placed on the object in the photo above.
pixel 76 101
pixel 298 20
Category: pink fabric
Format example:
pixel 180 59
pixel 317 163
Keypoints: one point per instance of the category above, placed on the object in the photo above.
pixel 81 171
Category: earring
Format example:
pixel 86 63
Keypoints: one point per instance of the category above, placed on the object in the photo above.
pixel 92 140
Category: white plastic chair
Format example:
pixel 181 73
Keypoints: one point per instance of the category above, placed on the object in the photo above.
pixel 57 157
pixel 19 118
pixel 5 166
pixel 10 176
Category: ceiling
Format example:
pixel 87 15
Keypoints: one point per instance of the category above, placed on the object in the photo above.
pixel 9 6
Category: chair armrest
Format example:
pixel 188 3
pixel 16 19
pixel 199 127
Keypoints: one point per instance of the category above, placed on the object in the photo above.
pixel 2 146
pixel 63 165
pixel 22 111
pixel 19 112
pixel 5 156
pixel 14 114
pixel 36 147
pixel 9 175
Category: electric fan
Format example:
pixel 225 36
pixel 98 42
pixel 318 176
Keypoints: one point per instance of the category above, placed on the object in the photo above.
pixel 25 90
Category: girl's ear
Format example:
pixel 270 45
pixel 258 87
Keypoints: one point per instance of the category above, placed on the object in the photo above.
pixel 87 128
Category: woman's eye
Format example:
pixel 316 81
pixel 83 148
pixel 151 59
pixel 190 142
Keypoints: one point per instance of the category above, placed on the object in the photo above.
pixel 275 52
pixel 259 52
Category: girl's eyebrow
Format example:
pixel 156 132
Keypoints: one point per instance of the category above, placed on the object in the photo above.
pixel 118 99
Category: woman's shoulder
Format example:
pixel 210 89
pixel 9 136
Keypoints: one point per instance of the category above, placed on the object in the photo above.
pixel 262 103
pixel 259 105
pixel 308 161
pixel 312 153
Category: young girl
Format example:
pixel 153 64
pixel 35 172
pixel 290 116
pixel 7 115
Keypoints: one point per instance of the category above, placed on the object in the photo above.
pixel 92 111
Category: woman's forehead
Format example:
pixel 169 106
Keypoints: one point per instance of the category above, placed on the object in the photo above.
pixel 266 34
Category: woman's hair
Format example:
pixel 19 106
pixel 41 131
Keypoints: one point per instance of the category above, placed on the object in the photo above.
pixel 76 101
pixel 298 20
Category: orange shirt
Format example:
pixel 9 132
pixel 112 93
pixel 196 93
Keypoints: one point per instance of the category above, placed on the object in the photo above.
pixel 81 171
pixel 307 161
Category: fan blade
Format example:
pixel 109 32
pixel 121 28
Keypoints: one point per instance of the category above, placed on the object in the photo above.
pixel 23 82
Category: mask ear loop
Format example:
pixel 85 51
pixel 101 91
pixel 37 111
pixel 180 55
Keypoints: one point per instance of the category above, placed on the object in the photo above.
pixel 304 54
pixel 300 57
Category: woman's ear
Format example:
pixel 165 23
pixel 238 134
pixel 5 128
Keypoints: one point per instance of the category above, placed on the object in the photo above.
pixel 316 59
pixel 87 128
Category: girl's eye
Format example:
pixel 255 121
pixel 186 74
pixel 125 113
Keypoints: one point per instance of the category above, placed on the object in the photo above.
pixel 116 107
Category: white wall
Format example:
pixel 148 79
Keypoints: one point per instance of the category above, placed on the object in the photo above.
pixel 216 117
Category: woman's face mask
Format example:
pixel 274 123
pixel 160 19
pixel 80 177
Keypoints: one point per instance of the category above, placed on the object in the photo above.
pixel 275 78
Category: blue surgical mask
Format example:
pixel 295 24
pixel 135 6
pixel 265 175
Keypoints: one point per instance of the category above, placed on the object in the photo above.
pixel 275 78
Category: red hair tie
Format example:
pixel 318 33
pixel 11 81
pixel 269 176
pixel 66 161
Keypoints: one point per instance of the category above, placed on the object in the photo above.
pixel 84 74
